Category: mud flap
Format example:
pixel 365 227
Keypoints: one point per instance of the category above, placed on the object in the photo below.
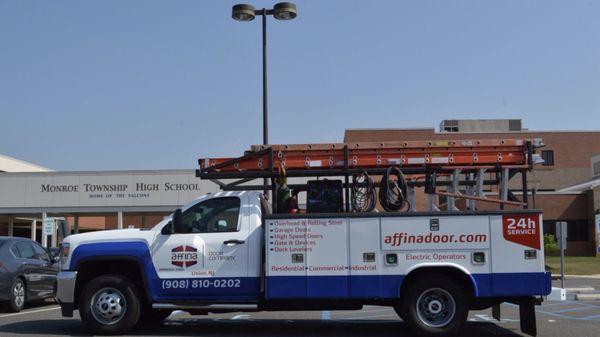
pixel 527 316
pixel 496 312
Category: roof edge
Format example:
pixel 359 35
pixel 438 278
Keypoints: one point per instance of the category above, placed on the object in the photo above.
pixel 25 164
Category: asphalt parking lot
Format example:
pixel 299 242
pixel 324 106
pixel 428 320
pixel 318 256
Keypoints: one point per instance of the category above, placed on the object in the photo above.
pixel 568 318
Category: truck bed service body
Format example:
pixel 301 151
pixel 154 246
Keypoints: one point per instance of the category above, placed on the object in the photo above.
pixel 230 254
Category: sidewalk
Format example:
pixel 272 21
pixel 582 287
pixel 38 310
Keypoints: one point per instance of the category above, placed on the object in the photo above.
pixel 594 277
pixel 579 287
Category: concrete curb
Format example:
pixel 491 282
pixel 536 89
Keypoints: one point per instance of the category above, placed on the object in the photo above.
pixel 595 277
pixel 580 289
pixel 587 297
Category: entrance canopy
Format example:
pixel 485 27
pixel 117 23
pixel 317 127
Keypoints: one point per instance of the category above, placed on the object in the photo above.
pixel 101 199
pixel 99 191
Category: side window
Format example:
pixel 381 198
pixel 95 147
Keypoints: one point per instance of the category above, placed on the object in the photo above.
pixel 213 216
pixel 40 253
pixel 25 250
pixel 15 251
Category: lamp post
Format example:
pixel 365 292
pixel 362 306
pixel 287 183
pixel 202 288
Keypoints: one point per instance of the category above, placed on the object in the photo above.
pixel 281 11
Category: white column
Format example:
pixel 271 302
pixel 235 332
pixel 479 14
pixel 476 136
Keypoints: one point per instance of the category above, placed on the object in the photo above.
pixel 120 220
pixel 75 224
pixel 11 223
pixel 54 236
pixel 44 237
pixel 33 229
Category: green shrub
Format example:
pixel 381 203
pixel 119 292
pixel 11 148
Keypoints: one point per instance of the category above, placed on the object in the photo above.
pixel 550 245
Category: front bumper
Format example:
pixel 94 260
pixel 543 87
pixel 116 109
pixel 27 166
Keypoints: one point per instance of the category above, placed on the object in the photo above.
pixel 65 291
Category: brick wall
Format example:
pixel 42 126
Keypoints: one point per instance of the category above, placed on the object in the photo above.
pixel 572 150
pixel 109 221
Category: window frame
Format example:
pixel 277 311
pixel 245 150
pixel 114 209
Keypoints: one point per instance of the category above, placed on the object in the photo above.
pixel 547 162
pixel 16 254
pixel 27 244
pixel 166 230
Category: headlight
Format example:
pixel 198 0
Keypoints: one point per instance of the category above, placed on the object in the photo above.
pixel 63 254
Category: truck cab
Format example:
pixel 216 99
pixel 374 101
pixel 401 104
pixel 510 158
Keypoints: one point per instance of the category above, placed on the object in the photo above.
pixel 212 257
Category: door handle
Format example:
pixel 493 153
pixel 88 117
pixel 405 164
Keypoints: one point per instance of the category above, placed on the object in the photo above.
pixel 234 242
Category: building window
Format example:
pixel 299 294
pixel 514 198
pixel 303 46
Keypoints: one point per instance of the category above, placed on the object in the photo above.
pixel 514 125
pixel 548 157
pixel 450 125
pixel 550 227
pixel 577 230
pixel 597 168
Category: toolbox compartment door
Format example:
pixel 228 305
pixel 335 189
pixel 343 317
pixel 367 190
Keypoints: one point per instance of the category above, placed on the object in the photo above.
pixel 327 249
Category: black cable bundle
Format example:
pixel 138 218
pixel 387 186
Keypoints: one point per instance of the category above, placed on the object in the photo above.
pixel 392 193
pixel 363 193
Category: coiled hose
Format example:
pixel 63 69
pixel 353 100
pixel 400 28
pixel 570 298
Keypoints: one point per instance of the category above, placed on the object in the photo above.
pixel 393 193
pixel 363 193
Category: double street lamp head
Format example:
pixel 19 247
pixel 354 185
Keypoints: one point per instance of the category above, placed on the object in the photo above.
pixel 281 11
pixel 243 12
pixel 284 11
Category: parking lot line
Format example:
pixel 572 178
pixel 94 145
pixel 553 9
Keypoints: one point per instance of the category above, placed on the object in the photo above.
pixel 550 313
pixel 573 309
pixel 352 313
pixel 593 317
pixel 390 315
pixel 29 312
pixel 240 317
pixel 553 304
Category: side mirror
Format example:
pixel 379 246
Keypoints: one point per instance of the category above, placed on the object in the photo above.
pixel 52 254
pixel 63 228
pixel 177 222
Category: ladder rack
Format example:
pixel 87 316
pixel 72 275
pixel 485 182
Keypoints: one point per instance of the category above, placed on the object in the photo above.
pixel 453 164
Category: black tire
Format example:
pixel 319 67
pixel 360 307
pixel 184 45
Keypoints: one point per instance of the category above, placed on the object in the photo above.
pixel 398 310
pixel 151 316
pixel 443 304
pixel 17 303
pixel 113 295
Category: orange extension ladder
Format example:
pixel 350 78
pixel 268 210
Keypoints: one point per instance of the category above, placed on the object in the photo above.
pixel 450 153
pixel 468 159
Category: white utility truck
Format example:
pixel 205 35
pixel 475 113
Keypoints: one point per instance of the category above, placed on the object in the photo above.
pixel 238 250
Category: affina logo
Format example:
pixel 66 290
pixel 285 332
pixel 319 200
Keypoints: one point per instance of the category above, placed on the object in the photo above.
pixel 184 256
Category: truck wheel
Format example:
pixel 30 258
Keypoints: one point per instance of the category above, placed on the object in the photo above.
pixel 17 296
pixel 435 305
pixel 398 310
pixel 110 305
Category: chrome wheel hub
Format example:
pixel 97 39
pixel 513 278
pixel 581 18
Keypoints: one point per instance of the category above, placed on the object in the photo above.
pixel 19 294
pixel 436 307
pixel 108 306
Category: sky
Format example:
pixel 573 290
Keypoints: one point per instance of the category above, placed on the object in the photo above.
pixel 114 85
